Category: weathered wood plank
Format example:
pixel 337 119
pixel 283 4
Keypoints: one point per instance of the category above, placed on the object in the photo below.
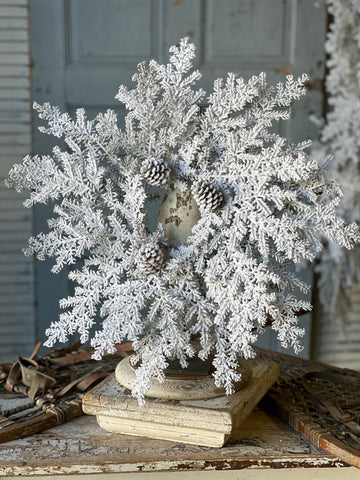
pixel 10 105
pixel 37 424
pixel 8 209
pixel 13 257
pixel 15 116
pixel 12 350
pixel 14 127
pixel 6 216
pixel 16 238
pixel 14 215
pixel 8 199
pixel 341 347
pixel 14 59
pixel 13 139
pixel 16 205
pixel 22 336
pixel 15 94
pixel 16 293
pixel 15 151
pixel 7 327
pixel 264 444
pixel 12 3
pixel 343 359
pixel 7 34
pixel 16 318
pixel 14 47
pixel 9 159
pixel 13 11
pixel 8 192
pixel 257 474
pixel 20 23
pixel 16 290
pixel 4 190
pixel 15 70
pixel 19 269
pixel 25 310
pixel 17 246
pixel 21 83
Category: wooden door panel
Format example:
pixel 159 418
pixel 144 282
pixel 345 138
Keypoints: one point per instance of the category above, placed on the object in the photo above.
pixel 117 31
pixel 94 46
pixel 264 27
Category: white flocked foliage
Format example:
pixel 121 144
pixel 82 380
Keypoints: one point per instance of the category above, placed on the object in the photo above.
pixel 235 270
pixel 340 138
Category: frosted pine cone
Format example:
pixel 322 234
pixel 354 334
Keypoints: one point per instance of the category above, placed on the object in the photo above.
pixel 151 258
pixel 207 196
pixel 155 171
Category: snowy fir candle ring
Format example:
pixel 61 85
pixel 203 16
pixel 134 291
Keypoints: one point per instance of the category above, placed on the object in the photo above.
pixel 228 263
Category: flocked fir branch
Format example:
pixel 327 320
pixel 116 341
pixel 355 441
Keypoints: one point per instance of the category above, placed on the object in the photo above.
pixel 339 269
pixel 264 205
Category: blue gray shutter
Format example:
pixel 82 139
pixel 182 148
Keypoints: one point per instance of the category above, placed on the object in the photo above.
pixel 17 327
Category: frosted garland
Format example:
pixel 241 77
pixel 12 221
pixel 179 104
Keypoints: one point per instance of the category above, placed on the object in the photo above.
pixel 264 202
pixel 340 138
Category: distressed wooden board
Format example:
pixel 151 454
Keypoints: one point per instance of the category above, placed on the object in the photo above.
pixel 256 474
pixel 20 23
pixel 296 414
pixel 263 443
pixel 82 447
pixel 9 3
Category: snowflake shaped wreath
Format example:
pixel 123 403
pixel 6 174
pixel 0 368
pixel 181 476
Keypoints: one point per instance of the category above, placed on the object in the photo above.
pixel 264 205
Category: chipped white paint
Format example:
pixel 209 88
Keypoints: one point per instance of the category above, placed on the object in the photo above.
pixel 178 214
pixel 206 422
pixel 82 448
pixel 296 474
pixel 196 467
pixel 11 401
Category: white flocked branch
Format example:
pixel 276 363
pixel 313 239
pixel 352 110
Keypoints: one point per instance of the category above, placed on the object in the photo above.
pixel 264 203
pixel 338 268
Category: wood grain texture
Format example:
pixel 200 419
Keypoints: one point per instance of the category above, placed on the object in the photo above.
pixel 255 474
pixel 82 447
pixel 261 447
pixel 37 424
pixel 291 402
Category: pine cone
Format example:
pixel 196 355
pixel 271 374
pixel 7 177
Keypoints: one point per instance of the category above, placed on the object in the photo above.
pixel 155 171
pixel 207 196
pixel 151 259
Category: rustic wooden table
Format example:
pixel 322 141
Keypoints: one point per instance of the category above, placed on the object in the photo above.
pixel 263 448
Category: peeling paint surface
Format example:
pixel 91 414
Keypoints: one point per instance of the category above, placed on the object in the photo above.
pixel 82 447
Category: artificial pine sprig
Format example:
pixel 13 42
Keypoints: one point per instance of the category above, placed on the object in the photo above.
pixel 264 205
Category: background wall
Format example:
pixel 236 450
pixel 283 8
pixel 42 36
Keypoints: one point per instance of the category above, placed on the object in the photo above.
pixel 83 49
